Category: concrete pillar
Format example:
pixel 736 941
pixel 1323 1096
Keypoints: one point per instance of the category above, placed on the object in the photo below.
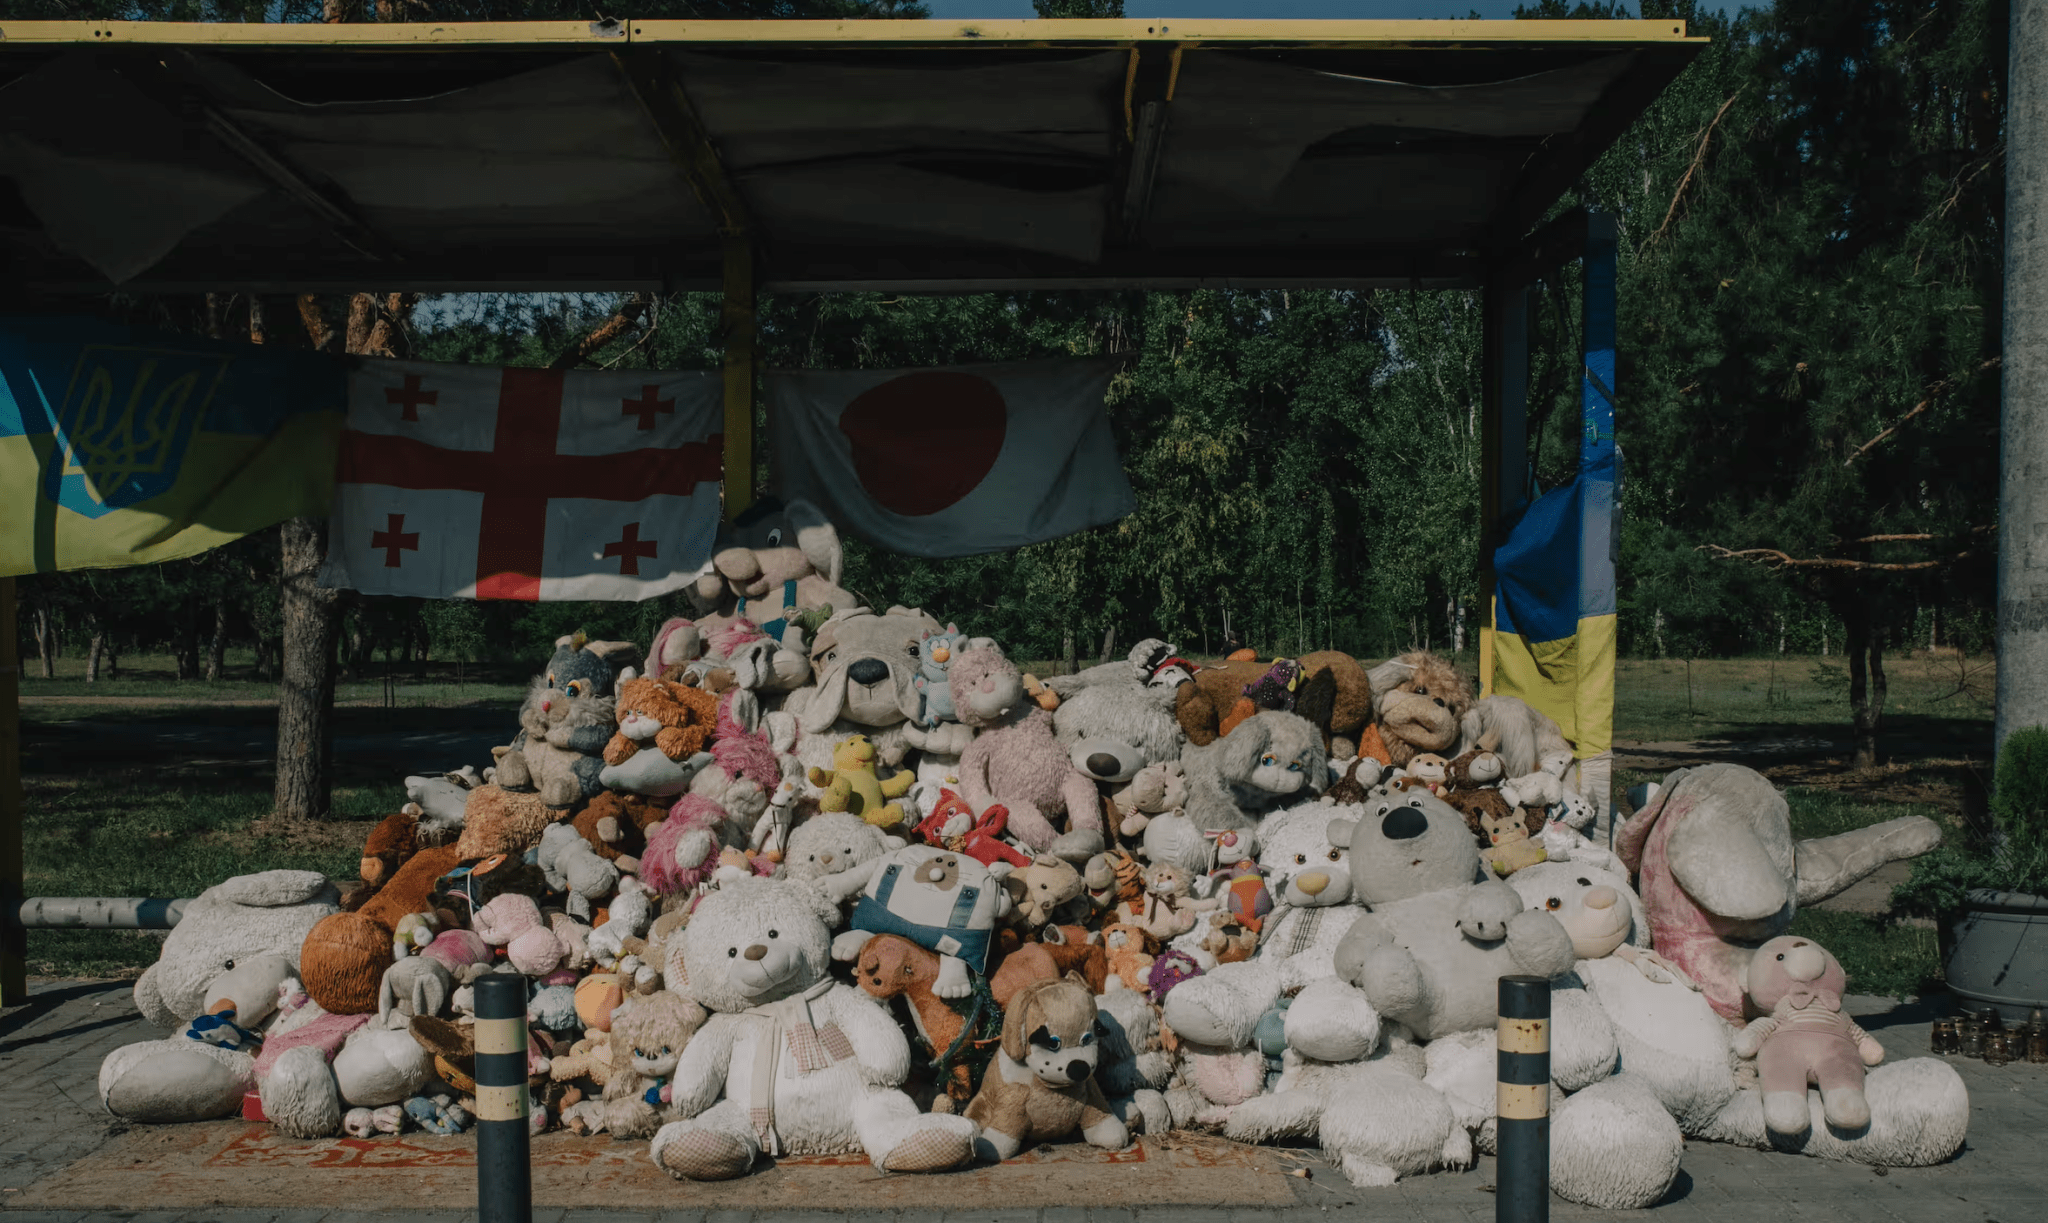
pixel 2023 415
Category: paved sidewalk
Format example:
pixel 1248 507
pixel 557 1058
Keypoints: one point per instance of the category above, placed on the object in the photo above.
pixel 50 1051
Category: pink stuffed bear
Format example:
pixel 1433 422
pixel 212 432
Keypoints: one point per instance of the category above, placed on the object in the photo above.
pixel 1014 759
pixel 513 921
pixel 1805 1038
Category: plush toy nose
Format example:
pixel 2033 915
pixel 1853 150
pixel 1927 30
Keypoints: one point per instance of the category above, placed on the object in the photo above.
pixel 1805 962
pixel 1102 763
pixel 758 951
pixel 1602 897
pixel 1404 823
pixel 824 859
pixel 1078 1070
pixel 546 705
pixel 1312 883
pixel 941 654
pixel 1439 701
pixel 868 672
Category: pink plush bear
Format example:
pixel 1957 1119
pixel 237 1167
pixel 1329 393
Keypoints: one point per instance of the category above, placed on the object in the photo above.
pixel 1805 1038
pixel 1014 759
pixel 513 921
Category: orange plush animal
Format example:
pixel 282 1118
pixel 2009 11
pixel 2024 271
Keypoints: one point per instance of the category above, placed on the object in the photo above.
pixel 1419 703
pixel 343 959
pixel 892 966
pixel 671 718
pixel 1130 950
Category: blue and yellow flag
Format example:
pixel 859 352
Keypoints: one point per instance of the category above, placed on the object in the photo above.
pixel 121 446
pixel 1553 638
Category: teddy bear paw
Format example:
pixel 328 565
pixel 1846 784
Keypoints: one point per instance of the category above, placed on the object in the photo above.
pixel 701 1155
pixel 932 1149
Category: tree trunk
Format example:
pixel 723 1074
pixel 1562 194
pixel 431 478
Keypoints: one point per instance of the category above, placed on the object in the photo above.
pixel 187 648
pixel 1657 631
pixel 216 656
pixel 46 648
pixel 305 694
pixel 1865 648
pixel 1108 644
pixel 1073 660
pixel 113 659
pixel 92 657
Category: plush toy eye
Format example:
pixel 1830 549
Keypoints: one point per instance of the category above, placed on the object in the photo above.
pixel 639 1053
pixel 732 953
pixel 1295 767
pixel 911 649
pixel 847 852
pixel 551 679
pixel 664 1051
pixel 1585 883
pixel 908 971
pixel 1421 691
pixel 1781 955
pixel 775 537
pixel 774 934
pixel 1336 854
pixel 230 965
pixel 1301 859
pixel 1087 1038
pixel 1555 903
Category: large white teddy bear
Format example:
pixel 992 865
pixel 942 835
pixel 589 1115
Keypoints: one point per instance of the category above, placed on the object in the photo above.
pixel 1439 935
pixel 234 920
pixel 791 1062
pixel 1315 904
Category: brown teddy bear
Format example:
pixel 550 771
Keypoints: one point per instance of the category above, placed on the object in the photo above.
pixel 343 959
pixel 500 821
pixel 1340 707
pixel 616 826
pixel 1046 892
pixel 1419 702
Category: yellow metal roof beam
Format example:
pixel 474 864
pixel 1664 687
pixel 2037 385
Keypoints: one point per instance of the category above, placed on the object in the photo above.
pixel 953 33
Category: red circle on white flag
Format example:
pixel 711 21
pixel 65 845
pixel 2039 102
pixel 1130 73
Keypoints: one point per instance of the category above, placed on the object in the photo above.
pixel 923 441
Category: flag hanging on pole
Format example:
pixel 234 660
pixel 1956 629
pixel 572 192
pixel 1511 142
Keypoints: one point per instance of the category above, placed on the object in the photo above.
pixel 1554 616
pixel 469 481
pixel 952 462
pixel 124 446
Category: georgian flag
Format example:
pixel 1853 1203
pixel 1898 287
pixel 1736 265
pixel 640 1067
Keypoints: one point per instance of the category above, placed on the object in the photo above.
pixel 952 462
pixel 469 481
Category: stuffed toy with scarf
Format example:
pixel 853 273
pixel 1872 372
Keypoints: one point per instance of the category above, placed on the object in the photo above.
pixel 790 1062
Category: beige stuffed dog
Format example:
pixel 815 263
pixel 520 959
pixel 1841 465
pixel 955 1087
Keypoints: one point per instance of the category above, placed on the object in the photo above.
pixel 1041 1087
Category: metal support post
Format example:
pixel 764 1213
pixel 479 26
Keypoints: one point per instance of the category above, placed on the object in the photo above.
pixel 1599 545
pixel 2022 694
pixel 13 938
pixel 1504 443
pixel 1521 1192
pixel 736 321
pixel 504 1173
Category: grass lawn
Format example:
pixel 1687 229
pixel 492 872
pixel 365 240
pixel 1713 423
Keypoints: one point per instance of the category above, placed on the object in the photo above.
pixel 115 824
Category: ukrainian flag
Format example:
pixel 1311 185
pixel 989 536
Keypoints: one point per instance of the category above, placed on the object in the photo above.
pixel 121 446
pixel 1552 641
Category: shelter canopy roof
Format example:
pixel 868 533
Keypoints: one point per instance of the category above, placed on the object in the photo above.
pixel 901 154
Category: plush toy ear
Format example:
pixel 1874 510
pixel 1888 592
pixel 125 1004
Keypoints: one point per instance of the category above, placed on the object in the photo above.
pixel 1339 832
pixel 1016 887
pixel 1240 749
pixel 627 675
pixel 817 539
pixel 1054 935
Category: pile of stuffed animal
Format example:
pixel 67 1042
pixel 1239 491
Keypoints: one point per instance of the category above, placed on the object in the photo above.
pixel 810 878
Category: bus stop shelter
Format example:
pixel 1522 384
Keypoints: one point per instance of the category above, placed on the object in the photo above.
pixel 817 156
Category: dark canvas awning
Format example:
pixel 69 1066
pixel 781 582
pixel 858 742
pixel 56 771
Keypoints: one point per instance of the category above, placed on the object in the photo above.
pixel 910 155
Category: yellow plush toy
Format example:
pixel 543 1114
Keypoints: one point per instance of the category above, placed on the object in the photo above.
pixel 1510 845
pixel 852 785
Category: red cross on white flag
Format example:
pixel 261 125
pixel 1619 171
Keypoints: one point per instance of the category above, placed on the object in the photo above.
pixel 469 481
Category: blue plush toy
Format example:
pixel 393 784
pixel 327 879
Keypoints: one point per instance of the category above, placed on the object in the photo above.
pixel 438 1115
pixel 553 1007
pixel 934 654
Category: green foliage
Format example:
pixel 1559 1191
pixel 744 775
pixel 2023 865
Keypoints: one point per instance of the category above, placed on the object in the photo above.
pixel 1878 955
pixel 2012 858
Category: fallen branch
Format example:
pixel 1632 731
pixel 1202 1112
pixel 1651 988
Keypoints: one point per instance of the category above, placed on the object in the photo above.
pixel 1933 393
pixel 1699 158
pixel 1781 560
pixel 605 332
pixel 317 328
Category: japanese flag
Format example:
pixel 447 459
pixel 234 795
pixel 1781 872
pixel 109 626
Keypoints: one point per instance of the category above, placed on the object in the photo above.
pixel 952 462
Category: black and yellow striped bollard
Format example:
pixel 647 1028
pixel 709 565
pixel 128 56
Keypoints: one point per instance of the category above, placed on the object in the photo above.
pixel 1522 1103
pixel 504 1175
